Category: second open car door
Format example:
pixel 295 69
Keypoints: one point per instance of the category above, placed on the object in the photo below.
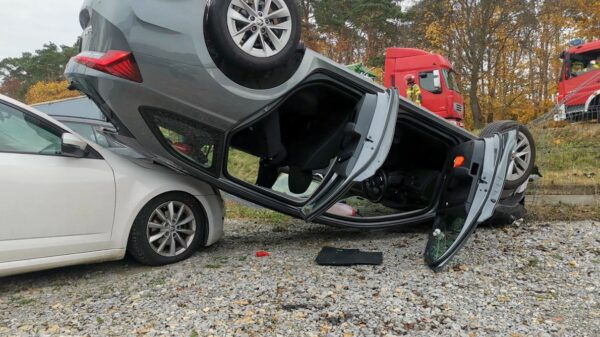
pixel 473 182
pixel 374 130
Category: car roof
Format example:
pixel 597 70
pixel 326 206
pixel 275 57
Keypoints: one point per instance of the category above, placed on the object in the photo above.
pixel 92 122
pixel 81 107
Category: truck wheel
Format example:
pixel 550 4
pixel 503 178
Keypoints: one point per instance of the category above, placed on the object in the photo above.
pixel 523 158
pixel 255 34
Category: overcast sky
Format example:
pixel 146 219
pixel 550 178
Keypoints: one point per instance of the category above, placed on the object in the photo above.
pixel 25 25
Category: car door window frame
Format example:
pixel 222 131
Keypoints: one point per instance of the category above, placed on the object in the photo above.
pixel 290 200
pixel 48 126
pixel 39 122
pixel 429 76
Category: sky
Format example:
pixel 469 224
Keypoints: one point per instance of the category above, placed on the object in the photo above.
pixel 25 25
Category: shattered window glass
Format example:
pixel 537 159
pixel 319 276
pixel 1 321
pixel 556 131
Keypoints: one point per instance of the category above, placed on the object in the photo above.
pixel 188 138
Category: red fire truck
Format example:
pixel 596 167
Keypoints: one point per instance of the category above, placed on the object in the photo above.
pixel 579 87
pixel 433 74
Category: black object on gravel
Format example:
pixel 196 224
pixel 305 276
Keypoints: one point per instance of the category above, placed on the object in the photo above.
pixel 330 256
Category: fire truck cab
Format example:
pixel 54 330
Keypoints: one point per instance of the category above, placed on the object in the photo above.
pixel 435 76
pixel 579 86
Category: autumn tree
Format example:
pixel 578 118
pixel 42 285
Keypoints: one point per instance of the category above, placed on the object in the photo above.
pixel 506 51
pixel 46 64
pixel 49 91
pixel 352 31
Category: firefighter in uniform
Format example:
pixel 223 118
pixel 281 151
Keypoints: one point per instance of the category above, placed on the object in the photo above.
pixel 413 92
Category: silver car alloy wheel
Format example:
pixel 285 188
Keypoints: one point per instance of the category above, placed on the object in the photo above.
pixel 171 228
pixel 521 158
pixel 261 28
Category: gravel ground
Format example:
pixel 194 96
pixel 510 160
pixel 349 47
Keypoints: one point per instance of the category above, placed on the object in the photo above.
pixel 532 280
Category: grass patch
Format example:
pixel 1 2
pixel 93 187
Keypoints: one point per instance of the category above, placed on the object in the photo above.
pixel 26 301
pixel 567 155
pixel 562 212
pixel 243 166
pixel 213 266
pixel 235 210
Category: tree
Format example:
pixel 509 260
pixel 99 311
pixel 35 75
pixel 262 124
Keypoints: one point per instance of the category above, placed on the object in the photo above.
pixel 506 51
pixel 49 91
pixel 351 31
pixel 46 64
pixel 585 15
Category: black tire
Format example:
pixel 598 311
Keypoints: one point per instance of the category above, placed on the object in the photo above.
pixel 226 47
pixel 501 126
pixel 139 246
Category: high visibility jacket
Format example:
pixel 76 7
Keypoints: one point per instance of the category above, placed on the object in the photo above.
pixel 413 92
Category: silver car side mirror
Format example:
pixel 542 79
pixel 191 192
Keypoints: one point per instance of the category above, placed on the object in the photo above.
pixel 73 146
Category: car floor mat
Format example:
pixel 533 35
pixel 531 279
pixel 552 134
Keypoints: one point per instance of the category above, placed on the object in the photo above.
pixel 329 256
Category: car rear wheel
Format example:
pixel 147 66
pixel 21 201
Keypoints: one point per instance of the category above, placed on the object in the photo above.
pixel 169 229
pixel 255 34
pixel 523 157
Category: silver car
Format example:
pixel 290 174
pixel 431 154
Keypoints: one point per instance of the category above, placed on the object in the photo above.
pixel 224 91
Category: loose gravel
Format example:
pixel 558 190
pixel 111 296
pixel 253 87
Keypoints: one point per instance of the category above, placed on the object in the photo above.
pixel 529 280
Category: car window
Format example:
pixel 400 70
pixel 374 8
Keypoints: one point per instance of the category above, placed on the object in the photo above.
pixel 115 146
pixel 450 78
pixel 190 139
pixel 101 138
pixel 580 64
pixel 426 81
pixel 84 130
pixel 22 133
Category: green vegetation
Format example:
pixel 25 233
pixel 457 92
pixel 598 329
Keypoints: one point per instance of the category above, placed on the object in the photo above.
pixel 562 212
pixel 18 74
pixel 243 166
pixel 26 301
pixel 568 158
pixel 235 210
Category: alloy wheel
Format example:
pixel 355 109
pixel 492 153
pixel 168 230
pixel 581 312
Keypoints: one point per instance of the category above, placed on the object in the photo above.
pixel 171 228
pixel 521 158
pixel 261 28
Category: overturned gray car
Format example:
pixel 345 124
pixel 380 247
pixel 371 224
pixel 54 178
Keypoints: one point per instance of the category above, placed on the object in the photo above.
pixel 224 91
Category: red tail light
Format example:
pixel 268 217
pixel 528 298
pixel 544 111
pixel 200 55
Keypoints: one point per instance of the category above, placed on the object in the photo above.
pixel 114 62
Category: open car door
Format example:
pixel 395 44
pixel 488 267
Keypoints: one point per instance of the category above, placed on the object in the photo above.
pixel 473 182
pixel 364 151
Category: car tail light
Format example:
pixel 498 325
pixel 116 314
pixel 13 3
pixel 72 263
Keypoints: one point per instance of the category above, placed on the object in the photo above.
pixel 118 63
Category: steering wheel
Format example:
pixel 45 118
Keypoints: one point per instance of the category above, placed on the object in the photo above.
pixel 374 187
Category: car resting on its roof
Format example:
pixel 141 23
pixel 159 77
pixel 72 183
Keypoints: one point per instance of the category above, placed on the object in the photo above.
pixel 236 101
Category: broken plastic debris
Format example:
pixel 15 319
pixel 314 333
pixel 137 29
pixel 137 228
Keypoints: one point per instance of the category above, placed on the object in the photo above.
pixel 262 253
